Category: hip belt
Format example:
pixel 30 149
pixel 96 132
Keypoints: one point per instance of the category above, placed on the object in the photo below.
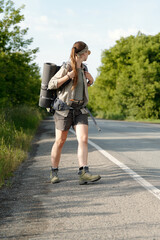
pixel 59 105
pixel 79 102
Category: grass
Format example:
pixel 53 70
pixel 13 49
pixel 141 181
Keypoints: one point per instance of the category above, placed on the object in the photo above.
pixel 17 128
pixel 118 116
pixel 109 115
pixel 149 120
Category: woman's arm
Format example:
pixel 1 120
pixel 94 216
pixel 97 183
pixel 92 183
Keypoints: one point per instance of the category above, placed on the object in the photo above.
pixel 90 78
pixel 59 78
pixel 62 80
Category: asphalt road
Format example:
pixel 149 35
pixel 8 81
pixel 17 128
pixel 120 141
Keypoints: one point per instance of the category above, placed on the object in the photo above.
pixel 116 207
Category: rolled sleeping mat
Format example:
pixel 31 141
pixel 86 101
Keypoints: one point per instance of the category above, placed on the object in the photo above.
pixel 46 96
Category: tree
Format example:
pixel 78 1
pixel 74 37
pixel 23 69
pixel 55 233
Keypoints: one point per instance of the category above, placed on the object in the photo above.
pixel 129 78
pixel 19 75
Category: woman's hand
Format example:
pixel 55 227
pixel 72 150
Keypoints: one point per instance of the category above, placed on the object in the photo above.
pixel 89 77
pixel 71 74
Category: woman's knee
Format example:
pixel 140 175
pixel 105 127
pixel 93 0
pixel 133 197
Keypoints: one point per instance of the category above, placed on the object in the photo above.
pixel 61 137
pixel 60 142
pixel 83 139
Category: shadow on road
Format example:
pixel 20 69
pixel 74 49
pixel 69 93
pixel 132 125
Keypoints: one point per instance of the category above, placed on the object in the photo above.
pixel 32 208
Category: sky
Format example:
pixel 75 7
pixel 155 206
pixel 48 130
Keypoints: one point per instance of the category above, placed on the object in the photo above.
pixel 56 24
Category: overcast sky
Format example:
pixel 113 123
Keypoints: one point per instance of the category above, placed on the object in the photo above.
pixel 56 24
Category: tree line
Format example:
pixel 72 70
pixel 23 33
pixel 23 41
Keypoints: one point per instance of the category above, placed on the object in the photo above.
pixel 128 81
pixel 19 90
pixel 19 74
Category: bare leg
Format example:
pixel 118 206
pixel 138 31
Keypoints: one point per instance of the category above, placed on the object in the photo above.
pixel 61 137
pixel 82 137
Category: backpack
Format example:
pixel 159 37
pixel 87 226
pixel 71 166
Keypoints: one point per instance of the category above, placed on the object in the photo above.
pixel 47 97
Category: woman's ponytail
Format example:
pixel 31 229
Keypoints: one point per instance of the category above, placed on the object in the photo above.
pixel 74 66
pixel 77 47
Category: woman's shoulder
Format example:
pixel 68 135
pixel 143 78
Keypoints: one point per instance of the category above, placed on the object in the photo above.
pixel 67 65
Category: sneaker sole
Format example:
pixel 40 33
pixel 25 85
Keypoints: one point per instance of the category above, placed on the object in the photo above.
pixel 85 182
pixel 57 181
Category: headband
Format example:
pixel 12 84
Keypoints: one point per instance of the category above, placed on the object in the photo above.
pixel 83 50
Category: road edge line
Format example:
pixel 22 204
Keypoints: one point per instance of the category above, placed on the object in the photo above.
pixel 148 186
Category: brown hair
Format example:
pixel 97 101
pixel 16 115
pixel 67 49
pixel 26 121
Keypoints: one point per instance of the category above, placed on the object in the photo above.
pixel 77 47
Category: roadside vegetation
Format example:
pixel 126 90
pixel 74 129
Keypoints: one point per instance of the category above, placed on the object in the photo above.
pixel 128 81
pixel 19 90
pixel 18 126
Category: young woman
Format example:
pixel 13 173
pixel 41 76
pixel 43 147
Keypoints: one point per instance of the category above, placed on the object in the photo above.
pixel 75 97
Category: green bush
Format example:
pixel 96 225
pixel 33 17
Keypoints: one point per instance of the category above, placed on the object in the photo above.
pixel 128 81
pixel 17 128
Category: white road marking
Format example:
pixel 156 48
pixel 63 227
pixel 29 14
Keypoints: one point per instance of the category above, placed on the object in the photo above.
pixel 148 186
pixel 126 138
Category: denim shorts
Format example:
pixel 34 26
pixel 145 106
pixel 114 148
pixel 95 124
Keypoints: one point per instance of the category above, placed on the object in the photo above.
pixel 74 117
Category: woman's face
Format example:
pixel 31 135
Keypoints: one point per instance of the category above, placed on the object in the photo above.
pixel 85 55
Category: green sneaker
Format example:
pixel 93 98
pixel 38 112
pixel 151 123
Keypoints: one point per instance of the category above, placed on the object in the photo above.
pixel 85 176
pixel 54 176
